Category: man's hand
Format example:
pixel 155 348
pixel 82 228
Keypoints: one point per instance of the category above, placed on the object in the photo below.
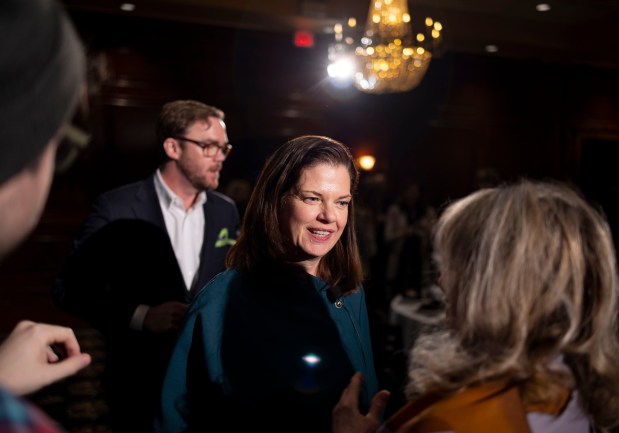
pixel 28 362
pixel 166 317
pixel 346 417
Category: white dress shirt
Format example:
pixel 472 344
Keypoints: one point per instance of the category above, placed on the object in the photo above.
pixel 186 231
pixel 185 228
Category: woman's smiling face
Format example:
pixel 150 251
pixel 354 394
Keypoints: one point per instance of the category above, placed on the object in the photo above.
pixel 315 214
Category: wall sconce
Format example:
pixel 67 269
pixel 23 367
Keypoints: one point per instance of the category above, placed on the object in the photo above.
pixel 366 162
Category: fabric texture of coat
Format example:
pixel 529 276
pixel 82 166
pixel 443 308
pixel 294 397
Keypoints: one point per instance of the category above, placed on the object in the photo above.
pixel 259 351
pixel 493 407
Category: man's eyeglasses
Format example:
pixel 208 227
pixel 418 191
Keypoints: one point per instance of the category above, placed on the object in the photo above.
pixel 209 149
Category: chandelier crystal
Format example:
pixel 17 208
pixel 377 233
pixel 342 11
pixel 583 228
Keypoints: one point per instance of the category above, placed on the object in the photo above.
pixel 391 57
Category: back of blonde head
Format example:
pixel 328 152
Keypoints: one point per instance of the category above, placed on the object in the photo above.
pixel 529 275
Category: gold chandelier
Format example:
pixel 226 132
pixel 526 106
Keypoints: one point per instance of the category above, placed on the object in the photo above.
pixel 390 57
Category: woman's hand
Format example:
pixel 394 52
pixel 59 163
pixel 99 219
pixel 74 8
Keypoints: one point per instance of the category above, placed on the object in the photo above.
pixel 346 417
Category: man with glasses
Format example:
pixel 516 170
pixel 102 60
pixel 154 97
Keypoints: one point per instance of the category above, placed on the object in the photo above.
pixel 144 252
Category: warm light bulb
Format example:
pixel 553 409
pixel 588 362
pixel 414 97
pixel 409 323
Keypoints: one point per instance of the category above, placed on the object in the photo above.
pixel 366 162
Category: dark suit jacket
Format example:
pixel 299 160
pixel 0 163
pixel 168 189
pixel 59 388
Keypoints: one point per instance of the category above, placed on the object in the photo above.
pixel 122 257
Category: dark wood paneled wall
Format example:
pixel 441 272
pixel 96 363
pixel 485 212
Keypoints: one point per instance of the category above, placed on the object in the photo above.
pixel 524 118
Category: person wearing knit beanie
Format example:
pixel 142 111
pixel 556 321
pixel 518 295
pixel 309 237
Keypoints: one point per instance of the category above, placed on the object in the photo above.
pixel 42 71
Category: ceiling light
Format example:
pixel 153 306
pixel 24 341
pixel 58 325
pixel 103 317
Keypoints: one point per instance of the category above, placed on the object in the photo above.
pixel 342 69
pixel 492 48
pixel 127 7
pixel 389 57
pixel 542 7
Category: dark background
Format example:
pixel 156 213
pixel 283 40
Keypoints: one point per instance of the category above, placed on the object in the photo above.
pixel 546 107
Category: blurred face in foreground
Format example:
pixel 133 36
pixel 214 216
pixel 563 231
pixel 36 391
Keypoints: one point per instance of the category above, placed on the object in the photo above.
pixel 25 195
pixel 315 214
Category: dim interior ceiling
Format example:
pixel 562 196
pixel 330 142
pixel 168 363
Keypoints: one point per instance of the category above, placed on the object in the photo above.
pixel 572 31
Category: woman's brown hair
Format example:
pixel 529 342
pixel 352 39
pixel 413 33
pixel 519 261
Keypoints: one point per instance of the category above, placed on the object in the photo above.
pixel 261 241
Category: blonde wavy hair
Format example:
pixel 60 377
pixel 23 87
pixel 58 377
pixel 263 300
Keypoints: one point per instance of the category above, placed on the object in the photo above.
pixel 529 274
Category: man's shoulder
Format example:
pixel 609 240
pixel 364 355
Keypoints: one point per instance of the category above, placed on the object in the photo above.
pixel 127 189
pixel 218 197
pixel 128 193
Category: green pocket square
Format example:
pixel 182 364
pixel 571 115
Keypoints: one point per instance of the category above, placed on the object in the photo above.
pixel 223 240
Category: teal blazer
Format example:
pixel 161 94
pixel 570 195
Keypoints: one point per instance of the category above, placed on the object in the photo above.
pixel 259 352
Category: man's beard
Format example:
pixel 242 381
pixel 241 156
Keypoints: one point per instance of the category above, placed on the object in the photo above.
pixel 198 182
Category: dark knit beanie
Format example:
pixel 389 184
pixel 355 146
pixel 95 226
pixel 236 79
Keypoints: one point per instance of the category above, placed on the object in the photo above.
pixel 42 68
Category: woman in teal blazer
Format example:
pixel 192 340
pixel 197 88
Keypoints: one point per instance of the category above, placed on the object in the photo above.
pixel 277 336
